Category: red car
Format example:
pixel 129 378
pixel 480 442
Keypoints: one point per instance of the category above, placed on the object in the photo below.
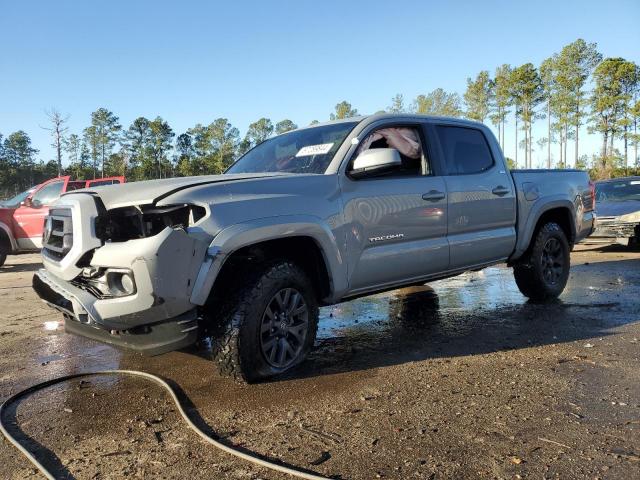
pixel 22 217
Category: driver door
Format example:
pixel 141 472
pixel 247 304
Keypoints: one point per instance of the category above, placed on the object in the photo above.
pixel 28 219
pixel 396 225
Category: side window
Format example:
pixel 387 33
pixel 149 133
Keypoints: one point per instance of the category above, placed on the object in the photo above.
pixel 465 150
pixel 47 194
pixel 408 143
pixel 99 183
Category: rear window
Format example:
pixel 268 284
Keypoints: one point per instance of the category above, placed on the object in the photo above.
pixel 465 150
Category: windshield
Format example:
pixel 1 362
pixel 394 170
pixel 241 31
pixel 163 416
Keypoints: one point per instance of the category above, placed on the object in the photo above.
pixel 18 199
pixel 618 191
pixel 309 150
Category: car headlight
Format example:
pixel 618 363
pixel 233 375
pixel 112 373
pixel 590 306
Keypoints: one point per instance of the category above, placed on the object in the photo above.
pixel 631 217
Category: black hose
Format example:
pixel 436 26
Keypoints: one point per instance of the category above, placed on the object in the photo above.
pixel 233 451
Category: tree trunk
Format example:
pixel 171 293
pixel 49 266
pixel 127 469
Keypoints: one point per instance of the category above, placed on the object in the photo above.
pixel 626 158
pixel 566 142
pixel 635 143
pixel 58 151
pixel 530 144
pixel 577 129
pixel 611 137
pixel 560 164
pixel 549 133
pixel 604 147
pixel 516 159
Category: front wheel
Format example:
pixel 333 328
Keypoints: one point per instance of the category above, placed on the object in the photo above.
pixel 542 273
pixel 269 324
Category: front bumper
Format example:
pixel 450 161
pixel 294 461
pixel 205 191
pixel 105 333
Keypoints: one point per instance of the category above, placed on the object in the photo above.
pixel 149 339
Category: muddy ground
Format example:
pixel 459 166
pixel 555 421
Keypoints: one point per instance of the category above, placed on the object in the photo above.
pixel 462 379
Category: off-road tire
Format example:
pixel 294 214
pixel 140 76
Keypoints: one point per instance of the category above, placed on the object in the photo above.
pixel 531 272
pixel 3 258
pixel 236 326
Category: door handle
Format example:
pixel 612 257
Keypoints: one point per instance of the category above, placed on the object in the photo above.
pixel 433 196
pixel 500 191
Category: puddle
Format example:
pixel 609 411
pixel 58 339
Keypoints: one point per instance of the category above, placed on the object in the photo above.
pixel 470 292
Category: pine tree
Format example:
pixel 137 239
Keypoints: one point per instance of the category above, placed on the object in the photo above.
pixel 478 96
pixel 438 102
pixel 502 99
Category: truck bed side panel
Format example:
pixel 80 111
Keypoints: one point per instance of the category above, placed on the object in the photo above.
pixel 542 190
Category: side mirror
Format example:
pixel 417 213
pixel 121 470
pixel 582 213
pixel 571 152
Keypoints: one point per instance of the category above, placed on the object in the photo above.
pixel 375 162
pixel 27 202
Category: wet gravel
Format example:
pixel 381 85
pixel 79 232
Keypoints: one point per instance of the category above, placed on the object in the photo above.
pixel 460 379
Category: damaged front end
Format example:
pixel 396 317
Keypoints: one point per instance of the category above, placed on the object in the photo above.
pixel 124 276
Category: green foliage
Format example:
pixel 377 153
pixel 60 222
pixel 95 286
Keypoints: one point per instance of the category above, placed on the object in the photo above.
pixel 501 99
pixel 438 102
pixel 102 136
pixel 343 110
pixel 511 165
pixel 259 131
pixel 527 93
pixel 285 125
pixel 616 82
pixel 478 96
pixel 18 165
pixel 160 143
pixel 397 104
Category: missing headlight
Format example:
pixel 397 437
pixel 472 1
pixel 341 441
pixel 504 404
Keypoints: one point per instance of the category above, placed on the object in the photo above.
pixel 106 283
pixel 128 223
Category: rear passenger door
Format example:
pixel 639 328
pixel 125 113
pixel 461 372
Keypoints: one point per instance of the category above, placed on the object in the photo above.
pixel 481 213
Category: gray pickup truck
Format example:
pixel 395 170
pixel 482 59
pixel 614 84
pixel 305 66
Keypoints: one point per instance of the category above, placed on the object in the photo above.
pixel 312 217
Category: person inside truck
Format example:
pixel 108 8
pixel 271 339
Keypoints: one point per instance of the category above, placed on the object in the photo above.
pixel 405 140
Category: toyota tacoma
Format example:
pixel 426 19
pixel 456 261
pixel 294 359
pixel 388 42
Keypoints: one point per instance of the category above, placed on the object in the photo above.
pixel 312 217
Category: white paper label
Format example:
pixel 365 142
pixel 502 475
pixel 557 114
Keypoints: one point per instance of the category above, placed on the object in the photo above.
pixel 309 150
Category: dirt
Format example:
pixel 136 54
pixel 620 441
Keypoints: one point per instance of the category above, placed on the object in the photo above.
pixel 462 379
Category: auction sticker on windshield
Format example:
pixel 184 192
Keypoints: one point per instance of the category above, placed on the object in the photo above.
pixel 309 150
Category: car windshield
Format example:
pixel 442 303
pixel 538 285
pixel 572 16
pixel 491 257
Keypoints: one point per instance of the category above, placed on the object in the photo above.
pixel 309 150
pixel 618 191
pixel 17 200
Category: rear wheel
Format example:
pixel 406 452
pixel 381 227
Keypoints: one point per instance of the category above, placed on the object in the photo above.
pixel 543 271
pixel 3 258
pixel 268 325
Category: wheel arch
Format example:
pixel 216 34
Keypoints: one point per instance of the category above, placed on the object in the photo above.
pixel 6 239
pixel 303 239
pixel 561 212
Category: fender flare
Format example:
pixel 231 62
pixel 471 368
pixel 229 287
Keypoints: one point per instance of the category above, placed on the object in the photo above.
pixel 235 237
pixel 539 208
pixel 12 241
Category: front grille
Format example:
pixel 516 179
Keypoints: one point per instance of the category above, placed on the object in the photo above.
pixel 57 237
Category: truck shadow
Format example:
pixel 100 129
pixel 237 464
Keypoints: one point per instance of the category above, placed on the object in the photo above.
pixel 20 267
pixel 425 323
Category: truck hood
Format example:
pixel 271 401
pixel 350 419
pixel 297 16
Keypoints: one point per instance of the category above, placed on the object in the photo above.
pixel 151 191
pixel 615 209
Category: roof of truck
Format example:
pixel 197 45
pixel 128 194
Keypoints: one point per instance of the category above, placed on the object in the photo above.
pixel 399 116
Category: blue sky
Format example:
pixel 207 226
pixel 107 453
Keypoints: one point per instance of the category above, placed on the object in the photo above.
pixel 191 62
